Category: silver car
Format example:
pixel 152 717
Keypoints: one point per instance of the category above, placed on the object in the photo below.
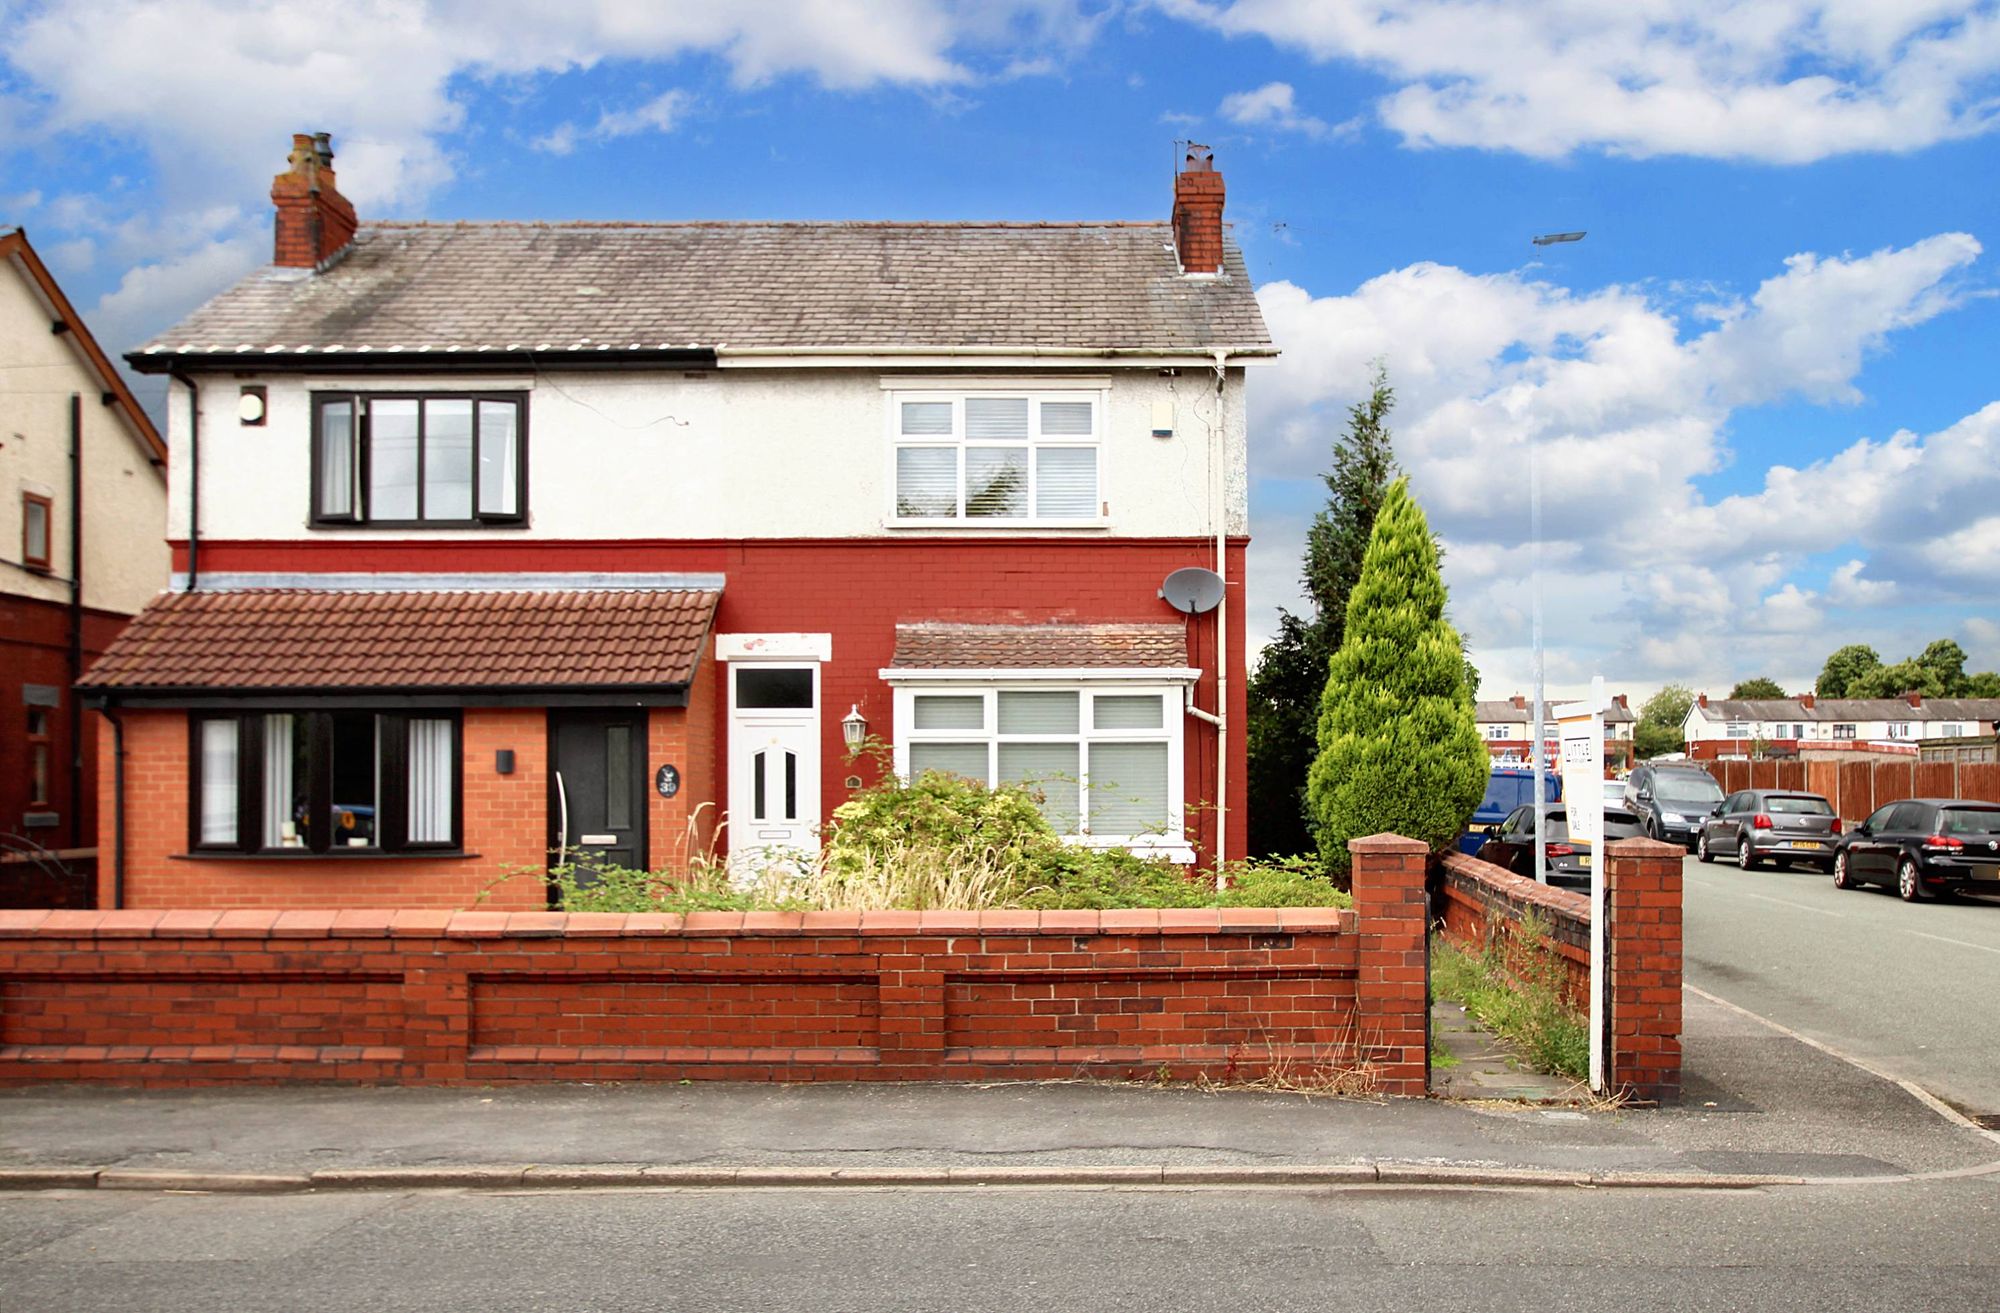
pixel 1759 825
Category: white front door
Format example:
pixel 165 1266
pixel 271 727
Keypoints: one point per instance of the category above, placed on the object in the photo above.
pixel 773 762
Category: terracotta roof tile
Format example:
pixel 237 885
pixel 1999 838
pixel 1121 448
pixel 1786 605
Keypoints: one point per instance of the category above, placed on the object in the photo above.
pixel 314 639
pixel 934 646
pixel 589 287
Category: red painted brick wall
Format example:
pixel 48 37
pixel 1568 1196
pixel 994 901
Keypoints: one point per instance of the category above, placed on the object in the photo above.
pixel 505 830
pixel 34 649
pixel 200 997
pixel 858 590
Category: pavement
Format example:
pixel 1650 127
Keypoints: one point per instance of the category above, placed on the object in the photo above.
pixel 1762 1108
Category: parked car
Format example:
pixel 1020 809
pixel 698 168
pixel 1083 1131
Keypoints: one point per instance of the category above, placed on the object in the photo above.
pixel 1614 794
pixel 1512 843
pixel 1671 800
pixel 1923 847
pixel 1507 787
pixel 1759 825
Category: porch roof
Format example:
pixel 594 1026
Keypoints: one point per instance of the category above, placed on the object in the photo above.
pixel 1129 646
pixel 326 640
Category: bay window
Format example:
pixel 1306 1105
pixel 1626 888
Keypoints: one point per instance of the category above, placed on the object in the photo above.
pixel 419 459
pixel 324 782
pixel 1105 761
pixel 992 458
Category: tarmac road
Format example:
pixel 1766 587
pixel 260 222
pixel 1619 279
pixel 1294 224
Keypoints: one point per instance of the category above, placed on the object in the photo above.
pixel 1910 989
pixel 1891 1245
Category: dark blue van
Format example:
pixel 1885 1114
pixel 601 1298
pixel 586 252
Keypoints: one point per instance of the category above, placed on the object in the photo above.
pixel 1507 787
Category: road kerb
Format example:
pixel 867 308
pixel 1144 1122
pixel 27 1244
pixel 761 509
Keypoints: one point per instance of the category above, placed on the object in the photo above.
pixel 135 1178
pixel 427 1177
pixel 48 1178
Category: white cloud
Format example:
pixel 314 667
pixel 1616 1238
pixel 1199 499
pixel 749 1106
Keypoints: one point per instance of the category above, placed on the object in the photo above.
pixel 1779 81
pixel 1628 408
pixel 1847 588
pixel 208 91
pixel 660 114
pixel 1273 106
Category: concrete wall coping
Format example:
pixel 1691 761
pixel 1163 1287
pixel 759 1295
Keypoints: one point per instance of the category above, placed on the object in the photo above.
pixel 156 923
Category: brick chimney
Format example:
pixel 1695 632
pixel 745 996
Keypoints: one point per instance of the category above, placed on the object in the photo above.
pixel 1702 701
pixel 1806 701
pixel 1619 698
pixel 1915 699
pixel 1520 703
pixel 315 222
pixel 1198 212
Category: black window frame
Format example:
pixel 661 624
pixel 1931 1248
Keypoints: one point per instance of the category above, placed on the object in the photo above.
pixel 391 804
pixel 363 404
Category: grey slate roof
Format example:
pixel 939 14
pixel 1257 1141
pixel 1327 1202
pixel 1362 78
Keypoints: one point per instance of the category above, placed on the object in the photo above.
pixel 1505 712
pixel 588 287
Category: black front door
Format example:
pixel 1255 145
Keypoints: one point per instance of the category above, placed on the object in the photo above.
pixel 597 788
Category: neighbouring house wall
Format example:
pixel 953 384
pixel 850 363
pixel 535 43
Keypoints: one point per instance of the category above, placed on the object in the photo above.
pixel 505 830
pixel 731 453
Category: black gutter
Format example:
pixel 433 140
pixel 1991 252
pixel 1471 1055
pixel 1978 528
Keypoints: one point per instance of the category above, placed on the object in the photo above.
pixel 403 362
pixel 117 807
pixel 75 619
pixel 194 475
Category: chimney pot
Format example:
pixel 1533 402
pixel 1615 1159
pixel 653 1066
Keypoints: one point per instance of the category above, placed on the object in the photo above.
pixel 1197 220
pixel 1520 703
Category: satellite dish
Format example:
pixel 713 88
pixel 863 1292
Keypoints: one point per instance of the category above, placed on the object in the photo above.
pixel 1193 590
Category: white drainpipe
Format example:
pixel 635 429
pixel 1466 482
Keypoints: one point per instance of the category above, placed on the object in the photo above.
pixel 1219 445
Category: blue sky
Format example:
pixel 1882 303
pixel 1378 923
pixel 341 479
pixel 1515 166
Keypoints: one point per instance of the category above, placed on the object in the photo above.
pixel 1762 386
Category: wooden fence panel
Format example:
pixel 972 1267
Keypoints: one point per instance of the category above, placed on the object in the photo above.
pixel 1857 790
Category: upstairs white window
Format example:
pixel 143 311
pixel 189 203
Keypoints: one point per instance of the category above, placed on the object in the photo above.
pixel 996 458
pixel 1737 729
pixel 419 460
pixel 1843 731
pixel 1902 729
pixel 1950 731
pixel 1500 733
pixel 1105 761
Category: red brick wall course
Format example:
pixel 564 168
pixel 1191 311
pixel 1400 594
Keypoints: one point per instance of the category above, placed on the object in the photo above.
pixel 199 997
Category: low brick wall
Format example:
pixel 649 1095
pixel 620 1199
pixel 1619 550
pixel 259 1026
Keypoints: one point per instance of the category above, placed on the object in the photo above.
pixel 1474 900
pixel 180 998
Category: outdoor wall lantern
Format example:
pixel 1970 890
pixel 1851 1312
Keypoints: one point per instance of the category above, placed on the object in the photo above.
pixel 854 729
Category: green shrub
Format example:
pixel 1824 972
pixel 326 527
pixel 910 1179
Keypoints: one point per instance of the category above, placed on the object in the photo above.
pixel 943 842
pixel 1399 744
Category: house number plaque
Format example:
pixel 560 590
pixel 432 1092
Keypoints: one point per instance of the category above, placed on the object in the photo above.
pixel 667 781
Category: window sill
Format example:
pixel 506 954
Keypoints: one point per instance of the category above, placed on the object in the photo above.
pixel 987 526
pixel 405 525
pixel 335 855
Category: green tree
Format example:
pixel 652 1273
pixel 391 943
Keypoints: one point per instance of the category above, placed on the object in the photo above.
pixel 1399 745
pixel 1760 687
pixel 1946 661
pixel 1910 676
pixel 1284 690
pixel 1985 684
pixel 1661 718
pixel 1837 677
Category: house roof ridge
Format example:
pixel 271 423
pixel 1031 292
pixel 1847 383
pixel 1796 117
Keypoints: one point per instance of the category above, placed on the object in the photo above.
pixel 445 225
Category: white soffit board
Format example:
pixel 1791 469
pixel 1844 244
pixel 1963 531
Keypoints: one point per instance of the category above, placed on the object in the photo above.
pixel 774 647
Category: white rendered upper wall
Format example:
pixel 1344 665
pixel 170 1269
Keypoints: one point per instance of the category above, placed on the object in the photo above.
pixel 750 453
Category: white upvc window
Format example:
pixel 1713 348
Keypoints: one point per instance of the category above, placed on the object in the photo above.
pixel 1843 731
pixel 1501 733
pixel 1105 756
pixel 1902 729
pixel 996 458
pixel 1737 729
pixel 1950 731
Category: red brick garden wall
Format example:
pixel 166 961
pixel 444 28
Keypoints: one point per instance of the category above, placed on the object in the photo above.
pixel 1477 901
pixel 197 997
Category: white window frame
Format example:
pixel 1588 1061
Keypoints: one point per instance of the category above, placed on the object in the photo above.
pixel 1172 844
pixel 1902 729
pixel 1499 733
pixel 1951 730
pixel 1100 409
pixel 1737 729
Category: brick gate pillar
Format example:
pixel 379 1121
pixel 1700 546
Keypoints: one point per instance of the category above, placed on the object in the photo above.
pixel 1391 995
pixel 1642 895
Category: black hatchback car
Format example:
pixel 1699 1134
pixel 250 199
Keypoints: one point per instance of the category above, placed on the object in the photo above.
pixel 1754 826
pixel 1512 843
pixel 1671 800
pixel 1923 847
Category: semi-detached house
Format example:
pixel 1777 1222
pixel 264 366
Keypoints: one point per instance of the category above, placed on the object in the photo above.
pixel 493 540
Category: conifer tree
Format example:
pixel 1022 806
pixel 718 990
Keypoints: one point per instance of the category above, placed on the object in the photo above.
pixel 1399 743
